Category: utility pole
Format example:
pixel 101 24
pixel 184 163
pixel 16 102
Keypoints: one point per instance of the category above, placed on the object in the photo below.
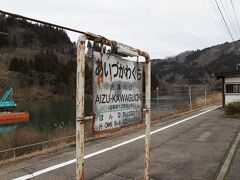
pixel 205 93
pixel 190 97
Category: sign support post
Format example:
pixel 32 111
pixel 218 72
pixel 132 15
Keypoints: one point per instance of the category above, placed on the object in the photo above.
pixel 147 119
pixel 80 107
pixel 80 96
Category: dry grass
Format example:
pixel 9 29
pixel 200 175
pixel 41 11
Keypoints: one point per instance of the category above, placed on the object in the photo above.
pixel 20 137
pixel 232 110
pixel 27 136
pixel 211 99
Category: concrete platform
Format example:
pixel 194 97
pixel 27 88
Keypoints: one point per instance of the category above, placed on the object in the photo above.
pixel 192 149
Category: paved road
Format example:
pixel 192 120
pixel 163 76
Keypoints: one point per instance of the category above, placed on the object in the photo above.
pixel 191 149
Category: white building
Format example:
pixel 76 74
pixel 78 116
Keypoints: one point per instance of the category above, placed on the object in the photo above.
pixel 231 86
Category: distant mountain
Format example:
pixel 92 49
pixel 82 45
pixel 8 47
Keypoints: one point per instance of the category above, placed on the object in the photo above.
pixel 198 67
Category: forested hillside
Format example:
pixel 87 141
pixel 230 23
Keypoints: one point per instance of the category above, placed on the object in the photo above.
pixel 198 67
pixel 38 61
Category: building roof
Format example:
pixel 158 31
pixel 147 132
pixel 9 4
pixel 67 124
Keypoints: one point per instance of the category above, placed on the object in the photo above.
pixel 229 73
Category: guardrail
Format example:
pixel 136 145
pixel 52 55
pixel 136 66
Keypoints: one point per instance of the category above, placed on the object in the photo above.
pixel 27 149
pixel 30 148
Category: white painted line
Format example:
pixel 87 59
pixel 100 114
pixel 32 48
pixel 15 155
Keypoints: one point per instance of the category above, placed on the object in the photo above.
pixel 205 109
pixel 228 160
pixel 51 168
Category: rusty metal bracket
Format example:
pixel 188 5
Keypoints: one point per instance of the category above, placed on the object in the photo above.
pixel 79 119
pixel 147 109
pixel 3 33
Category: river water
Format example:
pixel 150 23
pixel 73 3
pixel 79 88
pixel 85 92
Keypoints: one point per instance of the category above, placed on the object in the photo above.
pixel 47 115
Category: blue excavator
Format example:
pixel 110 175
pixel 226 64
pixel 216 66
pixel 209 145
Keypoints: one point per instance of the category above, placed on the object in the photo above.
pixel 6 102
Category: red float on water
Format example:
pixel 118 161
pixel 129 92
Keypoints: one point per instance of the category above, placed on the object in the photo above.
pixel 11 117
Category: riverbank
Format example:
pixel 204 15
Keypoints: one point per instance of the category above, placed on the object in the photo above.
pixel 39 94
pixel 28 135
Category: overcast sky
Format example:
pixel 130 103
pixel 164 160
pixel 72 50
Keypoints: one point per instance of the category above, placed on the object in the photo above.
pixel 161 27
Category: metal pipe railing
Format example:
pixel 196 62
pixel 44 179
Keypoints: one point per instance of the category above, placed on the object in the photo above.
pixel 89 36
pixel 40 143
pixel 14 150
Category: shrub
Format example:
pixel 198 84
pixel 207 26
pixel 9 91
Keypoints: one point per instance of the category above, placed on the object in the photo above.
pixel 232 109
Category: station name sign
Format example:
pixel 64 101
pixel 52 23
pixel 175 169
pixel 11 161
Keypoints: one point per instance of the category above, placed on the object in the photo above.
pixel 117 91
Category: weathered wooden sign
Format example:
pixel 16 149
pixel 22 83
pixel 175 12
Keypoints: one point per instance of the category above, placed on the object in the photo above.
pixel 117 91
